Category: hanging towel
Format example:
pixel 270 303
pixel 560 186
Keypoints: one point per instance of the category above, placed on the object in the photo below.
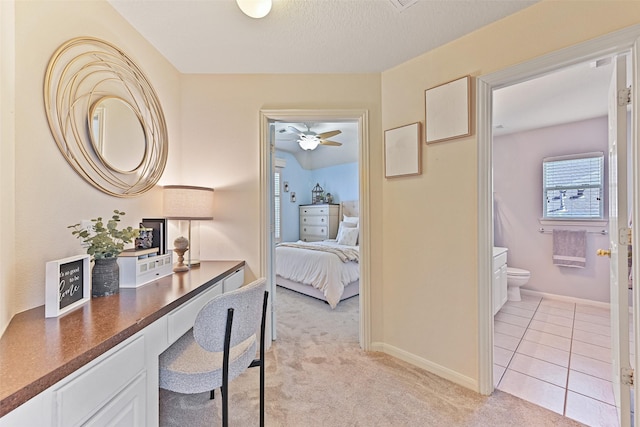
pixel 570 248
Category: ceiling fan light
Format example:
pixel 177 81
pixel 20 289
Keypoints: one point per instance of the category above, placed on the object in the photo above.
pixel 307 143
pixel 255 8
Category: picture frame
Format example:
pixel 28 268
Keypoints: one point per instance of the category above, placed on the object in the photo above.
pixel 67 284
pixel 402 151
pixel 447 110
pixel 159 233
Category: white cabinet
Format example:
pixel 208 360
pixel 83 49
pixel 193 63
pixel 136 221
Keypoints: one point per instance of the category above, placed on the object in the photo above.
pixel 318 222
pixel 499 278
pixel 234 281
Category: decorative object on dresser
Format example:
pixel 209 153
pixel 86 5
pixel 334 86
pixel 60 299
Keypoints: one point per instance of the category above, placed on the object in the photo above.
pixel 105 242
pixel 317 195
pixel 318 222
pixel 68 284
pixel 189 203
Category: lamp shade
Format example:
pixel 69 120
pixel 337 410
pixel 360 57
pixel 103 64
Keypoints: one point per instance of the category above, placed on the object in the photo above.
pixel 255 8
pixel 187 202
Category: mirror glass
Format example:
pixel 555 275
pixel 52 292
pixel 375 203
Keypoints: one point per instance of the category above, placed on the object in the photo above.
pixel 117 134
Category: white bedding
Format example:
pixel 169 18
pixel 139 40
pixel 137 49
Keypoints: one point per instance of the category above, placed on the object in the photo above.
pixel 322 270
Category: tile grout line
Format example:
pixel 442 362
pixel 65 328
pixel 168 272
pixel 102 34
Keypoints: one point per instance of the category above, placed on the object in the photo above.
pixel 566 389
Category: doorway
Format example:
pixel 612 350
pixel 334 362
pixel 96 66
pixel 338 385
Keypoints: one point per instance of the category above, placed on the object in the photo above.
pixel 591 51
pixel 268 118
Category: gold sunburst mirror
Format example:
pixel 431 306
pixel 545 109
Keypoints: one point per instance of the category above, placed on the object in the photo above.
pixel 105 117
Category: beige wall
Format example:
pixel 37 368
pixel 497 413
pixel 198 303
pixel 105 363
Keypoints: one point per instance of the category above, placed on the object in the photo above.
pixel 429 282
pixel 221 140
pixel 49 194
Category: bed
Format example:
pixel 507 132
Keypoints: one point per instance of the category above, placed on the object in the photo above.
pixel 326 270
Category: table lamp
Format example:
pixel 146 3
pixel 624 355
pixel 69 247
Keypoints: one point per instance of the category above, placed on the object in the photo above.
pixel 189 203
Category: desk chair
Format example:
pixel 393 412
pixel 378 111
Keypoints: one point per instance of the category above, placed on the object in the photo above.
pixel 220 346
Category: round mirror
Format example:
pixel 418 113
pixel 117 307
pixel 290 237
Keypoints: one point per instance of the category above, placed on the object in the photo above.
pixel 117 134
pixel 105 117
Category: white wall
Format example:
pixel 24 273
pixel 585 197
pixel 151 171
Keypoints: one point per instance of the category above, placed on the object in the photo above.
pixel 517 183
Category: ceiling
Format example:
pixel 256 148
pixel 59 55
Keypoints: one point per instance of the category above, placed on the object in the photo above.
pixel 305 36
pixel 353 36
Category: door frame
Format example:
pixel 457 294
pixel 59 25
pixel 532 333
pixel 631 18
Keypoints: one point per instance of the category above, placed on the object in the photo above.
pixel 616 42
pixel 266 183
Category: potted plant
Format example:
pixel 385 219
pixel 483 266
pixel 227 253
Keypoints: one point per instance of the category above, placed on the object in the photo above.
pixel 104 242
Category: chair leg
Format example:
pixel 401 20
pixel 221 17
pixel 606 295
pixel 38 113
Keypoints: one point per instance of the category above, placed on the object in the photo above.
pixel 225 370
pixel 262 327
pixel 212 395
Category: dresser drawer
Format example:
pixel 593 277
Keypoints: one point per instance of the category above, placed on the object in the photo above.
pixel 314 210
pixel 234 281
pixel 314 220
pixel 182 319
pixel 314 230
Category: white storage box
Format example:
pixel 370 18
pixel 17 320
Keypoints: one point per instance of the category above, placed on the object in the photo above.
pixel 138 268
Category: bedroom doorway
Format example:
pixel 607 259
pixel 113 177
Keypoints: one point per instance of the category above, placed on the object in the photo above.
pixel 278 121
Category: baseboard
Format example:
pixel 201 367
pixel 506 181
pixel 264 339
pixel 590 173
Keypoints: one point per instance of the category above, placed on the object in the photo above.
pixel 427 365
pixel 565 298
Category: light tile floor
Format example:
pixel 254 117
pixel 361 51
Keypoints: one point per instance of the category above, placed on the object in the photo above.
pixel 556 354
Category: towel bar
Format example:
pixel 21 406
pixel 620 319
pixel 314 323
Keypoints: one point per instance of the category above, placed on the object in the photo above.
pixel 603 232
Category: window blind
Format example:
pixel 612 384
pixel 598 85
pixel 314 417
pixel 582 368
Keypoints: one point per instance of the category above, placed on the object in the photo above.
pixel 573 186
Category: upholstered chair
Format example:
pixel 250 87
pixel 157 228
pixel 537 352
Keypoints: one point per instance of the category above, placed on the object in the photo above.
pixel 221 345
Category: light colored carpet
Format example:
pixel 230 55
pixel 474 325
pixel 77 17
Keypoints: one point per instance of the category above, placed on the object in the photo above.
pixel 317 375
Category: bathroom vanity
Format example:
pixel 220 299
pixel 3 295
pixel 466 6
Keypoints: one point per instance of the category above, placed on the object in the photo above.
pixel 499 278
pixel 98 365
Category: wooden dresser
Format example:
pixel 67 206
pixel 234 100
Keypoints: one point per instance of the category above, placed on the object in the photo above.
pixel 319 222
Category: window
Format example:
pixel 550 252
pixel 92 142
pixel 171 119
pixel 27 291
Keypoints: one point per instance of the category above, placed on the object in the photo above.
pixel 277 205
pixel 573 186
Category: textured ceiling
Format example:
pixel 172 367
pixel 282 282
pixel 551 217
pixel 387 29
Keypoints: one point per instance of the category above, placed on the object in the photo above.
pixel 305 36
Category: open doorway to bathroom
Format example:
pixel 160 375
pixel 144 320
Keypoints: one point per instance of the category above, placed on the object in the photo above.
pixel 552 343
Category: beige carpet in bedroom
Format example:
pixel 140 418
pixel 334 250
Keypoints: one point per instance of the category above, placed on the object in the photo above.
pixel 317 375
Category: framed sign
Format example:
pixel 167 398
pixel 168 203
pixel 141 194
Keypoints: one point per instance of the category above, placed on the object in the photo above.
pixel 68 284
pixel 159 233
pixel 402 151
pixel 447 110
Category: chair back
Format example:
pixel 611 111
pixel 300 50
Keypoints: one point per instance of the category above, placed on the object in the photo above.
pixel 210 324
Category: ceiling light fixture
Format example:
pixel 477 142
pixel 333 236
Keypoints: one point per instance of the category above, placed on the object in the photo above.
pixel 309 142
pixel 255 8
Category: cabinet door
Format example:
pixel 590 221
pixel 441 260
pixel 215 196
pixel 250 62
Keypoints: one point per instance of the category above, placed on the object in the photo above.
pixel 126 409
pixel 497 294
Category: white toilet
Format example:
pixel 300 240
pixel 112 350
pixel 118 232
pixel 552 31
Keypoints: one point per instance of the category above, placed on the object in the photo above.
pixel 516 278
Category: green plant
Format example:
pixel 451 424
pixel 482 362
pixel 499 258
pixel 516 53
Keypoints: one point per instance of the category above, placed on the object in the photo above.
pixel 105 240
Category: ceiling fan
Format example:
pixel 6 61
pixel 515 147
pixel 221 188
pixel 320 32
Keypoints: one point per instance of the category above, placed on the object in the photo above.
pixel 309 140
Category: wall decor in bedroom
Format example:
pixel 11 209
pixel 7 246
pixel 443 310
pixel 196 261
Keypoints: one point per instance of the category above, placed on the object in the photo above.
pixel 447 110
pixel 402 151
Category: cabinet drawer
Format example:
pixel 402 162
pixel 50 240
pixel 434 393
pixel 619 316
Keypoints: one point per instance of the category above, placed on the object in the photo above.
pixel 181 319
pixel 314 220
pixel 314 230
pixel 234 281
pixel 314 210
pixel 126 409
pixel 499 261
pixel 86 394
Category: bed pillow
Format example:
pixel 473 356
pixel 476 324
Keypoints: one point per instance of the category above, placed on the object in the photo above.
pixel 348 236
pixel 351 219
pixel 345 225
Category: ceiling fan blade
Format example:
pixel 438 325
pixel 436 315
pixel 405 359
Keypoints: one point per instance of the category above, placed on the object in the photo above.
pixel 294 130
pixel 327 142
pixel 325 135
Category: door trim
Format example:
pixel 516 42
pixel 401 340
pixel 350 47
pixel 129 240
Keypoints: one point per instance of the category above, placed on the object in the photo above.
pixel 266 261
pixel 616 42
